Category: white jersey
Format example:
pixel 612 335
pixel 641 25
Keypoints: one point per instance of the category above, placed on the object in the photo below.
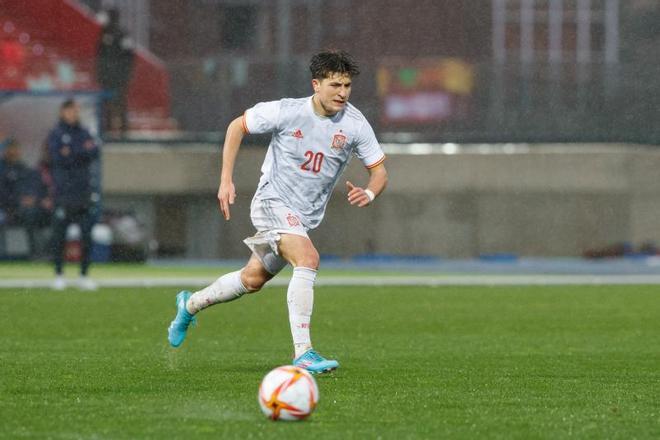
pixel 308 153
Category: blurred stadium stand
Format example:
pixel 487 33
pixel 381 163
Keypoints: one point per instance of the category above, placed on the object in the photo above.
pixel 539 71
pixel 433 71
pixel 471 98
pixel 51 45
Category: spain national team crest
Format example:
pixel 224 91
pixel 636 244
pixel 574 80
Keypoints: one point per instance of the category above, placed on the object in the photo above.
pixel 292 220
pixel 338 141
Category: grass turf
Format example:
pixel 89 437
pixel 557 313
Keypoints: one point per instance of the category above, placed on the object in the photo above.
pixel 455 362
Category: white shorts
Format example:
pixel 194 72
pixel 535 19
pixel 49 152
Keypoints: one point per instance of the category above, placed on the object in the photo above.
pixel 271 217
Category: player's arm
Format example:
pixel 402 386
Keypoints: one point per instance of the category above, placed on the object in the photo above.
pixel 233 139
pixel 376 185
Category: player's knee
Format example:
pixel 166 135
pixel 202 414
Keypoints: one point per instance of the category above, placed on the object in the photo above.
pixel 311 260
pixel 252 282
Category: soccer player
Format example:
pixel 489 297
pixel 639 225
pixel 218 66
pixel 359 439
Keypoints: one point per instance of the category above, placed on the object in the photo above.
pixel 313 139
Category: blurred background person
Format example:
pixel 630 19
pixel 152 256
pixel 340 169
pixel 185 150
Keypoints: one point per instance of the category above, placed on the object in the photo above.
pixel 12 171
pixel 72 150
pixel 4 141
pixel 36 204
pixel 24 197
pixel 114 64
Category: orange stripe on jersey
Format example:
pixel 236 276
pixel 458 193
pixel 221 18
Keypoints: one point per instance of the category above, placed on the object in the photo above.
pixel 374 165
pixel 244 124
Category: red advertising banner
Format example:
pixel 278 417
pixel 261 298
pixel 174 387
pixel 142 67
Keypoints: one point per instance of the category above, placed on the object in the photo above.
pixel 424 91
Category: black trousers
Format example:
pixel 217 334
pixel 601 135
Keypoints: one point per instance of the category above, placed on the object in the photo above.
pixel 63 217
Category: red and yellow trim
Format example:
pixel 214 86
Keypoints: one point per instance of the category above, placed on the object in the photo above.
pixel 244 123
pixel 374 165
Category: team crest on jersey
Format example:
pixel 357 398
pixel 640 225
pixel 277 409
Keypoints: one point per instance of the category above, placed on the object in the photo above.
pixel 298 134
pixel 338 141
pixel 293 220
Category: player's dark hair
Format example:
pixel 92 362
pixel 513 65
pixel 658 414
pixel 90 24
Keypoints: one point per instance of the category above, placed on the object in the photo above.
pixel 329 62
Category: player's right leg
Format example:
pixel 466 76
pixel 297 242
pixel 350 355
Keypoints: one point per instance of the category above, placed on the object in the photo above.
pixel 86 222
pixel 227 288
pixel 304 258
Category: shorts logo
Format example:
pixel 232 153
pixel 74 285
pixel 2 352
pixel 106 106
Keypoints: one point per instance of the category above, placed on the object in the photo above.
pixel 292 220
pixel 298 134
pixel 338 141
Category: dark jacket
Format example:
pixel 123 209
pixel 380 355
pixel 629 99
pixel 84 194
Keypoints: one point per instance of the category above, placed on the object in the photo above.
pixel 72 150
pixel 13 177
pixel 34 186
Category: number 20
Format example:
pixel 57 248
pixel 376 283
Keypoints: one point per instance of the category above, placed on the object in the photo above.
pixel 316 160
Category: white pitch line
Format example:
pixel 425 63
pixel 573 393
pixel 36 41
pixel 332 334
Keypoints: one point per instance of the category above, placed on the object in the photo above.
pixel 448 280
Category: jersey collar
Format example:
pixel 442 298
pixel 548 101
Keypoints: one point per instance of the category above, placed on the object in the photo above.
pixel 333 118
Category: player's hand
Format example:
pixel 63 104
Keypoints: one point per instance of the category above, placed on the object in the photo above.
pixel 357 196
pixel 226 197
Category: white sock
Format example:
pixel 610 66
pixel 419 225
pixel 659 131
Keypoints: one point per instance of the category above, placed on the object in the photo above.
pixel 226 288
pixel 300 299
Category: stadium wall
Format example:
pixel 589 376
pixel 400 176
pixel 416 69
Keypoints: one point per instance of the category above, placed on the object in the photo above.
pixel 540 200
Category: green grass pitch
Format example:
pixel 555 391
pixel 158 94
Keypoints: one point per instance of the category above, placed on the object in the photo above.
pixel 445 362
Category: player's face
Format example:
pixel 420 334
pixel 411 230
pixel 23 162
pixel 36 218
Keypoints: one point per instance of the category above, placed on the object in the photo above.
pixel 331 94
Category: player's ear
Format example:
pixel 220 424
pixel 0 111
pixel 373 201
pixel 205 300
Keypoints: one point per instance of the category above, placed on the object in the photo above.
pixel 316 85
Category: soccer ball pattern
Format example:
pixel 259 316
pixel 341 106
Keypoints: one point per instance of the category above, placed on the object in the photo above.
pixel 288 393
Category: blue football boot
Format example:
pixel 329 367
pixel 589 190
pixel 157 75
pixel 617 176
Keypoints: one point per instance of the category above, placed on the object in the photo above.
pixel 315 363
pixel 178 328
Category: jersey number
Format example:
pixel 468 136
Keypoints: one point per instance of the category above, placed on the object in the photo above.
pixel 313 162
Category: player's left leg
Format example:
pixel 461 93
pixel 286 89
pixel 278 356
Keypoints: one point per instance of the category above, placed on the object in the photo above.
pixel 303 256
pixel 227 288
pixel 230 286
